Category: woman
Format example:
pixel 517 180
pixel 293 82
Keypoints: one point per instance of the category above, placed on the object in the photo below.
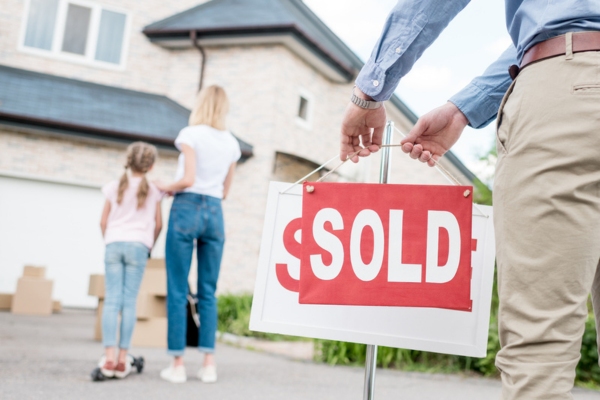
pixel 206 166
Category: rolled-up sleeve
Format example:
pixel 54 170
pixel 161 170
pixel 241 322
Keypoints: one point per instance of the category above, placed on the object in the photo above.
pixel 410 28
pixel 480 99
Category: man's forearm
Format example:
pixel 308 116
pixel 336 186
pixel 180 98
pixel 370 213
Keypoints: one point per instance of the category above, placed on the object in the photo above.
pixel 480 99
pixel 410 28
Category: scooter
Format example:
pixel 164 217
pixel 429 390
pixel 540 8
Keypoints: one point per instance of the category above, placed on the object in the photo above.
pixel 135 362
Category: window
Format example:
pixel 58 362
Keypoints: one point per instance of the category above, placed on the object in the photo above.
pixel 305 109
pixel 289 168
pixel 75 29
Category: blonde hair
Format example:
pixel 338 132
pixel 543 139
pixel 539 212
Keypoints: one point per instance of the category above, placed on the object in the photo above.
pixel 140 158
pixel 211 108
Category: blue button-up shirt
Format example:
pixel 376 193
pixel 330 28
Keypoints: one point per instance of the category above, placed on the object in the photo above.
pixel 414 24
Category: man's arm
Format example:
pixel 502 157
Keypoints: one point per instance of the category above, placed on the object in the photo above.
pixel 410 28
pixel 480 99
pixel 477 105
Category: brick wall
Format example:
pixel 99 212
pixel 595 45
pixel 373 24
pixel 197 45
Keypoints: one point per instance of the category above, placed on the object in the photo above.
pixel 70 159
pixel 148 67
pixel 264 83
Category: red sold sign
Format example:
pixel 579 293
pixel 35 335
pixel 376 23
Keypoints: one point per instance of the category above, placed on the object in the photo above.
pixel 383 245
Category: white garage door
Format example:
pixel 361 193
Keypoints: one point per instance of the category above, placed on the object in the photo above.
pixel 57 226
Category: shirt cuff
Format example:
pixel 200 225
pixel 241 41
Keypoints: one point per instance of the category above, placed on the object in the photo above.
pixel 478 107
pixel 371 80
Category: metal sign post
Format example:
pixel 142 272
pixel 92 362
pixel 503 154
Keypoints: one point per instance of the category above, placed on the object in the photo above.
pixel 384 176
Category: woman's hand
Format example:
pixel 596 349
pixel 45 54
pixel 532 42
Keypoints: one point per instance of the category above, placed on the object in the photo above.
pixel 164 187
pixel 189 175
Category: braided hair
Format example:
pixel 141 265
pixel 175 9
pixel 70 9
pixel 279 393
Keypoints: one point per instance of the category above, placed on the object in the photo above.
pixel 140 158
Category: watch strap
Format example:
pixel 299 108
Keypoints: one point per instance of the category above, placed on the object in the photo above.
pixel 366 104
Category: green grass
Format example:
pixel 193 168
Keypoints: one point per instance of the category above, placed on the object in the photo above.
pixel 234 317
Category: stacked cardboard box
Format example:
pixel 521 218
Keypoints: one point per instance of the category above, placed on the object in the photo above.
pixel 34 293
pixel 96 289
pixel 151 326
pixel 6 301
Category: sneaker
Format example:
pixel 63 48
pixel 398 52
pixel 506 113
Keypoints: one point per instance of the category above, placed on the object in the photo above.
pixel 208 374
pixel 122 370
pixel 174 374
pixel 107 368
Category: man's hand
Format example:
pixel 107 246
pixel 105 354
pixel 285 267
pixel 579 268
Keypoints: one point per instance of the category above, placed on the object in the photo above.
pixel 360 125
pixel 434 134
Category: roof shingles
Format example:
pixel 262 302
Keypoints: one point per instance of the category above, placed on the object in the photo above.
pixel 50 101
pixel 62 100
pixel 218 16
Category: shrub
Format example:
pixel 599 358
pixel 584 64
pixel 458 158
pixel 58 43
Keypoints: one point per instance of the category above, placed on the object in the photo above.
pixel 234 317
pixel 588 370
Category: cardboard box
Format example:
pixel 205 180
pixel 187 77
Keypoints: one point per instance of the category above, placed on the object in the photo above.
pixel 5 301
pixel 151 306
pixel 98 326
pixel 150 333
pixel 156 263
pixel 56 306
pixel 34 272
pixel 96 287
pixel 154 282
pixel 33 297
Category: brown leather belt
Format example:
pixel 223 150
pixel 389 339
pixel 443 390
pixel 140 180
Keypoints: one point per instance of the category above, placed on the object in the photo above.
pixel 582 41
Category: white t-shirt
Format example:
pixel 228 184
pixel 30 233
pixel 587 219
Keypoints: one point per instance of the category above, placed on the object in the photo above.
pixel 215 152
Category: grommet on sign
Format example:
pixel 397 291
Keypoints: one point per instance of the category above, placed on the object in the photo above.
pixel 467 193
pixel 310 189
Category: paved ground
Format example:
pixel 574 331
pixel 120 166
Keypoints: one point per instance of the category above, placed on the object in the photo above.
pixel 51 357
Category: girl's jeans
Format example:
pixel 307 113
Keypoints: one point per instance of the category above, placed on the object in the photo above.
pixel 125 263
pixel 199 218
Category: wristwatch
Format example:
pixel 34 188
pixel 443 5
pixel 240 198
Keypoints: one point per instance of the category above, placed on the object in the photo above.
pixel 362 103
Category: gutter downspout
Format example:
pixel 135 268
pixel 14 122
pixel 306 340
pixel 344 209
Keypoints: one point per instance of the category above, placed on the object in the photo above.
pixel 194 38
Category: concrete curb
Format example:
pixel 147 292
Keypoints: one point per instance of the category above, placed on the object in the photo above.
pixel 297 350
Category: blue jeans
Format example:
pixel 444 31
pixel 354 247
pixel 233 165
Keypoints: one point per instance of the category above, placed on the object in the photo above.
pixel 199 218
pixel 125 263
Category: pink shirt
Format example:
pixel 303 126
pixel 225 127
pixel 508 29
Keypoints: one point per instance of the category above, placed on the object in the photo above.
pixel 127 223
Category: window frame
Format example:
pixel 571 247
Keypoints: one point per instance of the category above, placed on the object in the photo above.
pixel 88 58
pixel 310 101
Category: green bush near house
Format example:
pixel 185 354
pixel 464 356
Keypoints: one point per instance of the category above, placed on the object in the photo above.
pixel 234 317
pixel 340 353
pixel 588 371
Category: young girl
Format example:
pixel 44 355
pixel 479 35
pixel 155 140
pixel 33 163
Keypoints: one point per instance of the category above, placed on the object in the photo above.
pixel 131 222
pixel 206 165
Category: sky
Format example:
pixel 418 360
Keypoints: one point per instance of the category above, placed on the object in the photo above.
pixel 472 41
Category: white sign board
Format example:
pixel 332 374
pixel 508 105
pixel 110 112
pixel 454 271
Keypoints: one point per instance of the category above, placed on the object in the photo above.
pixel 276 309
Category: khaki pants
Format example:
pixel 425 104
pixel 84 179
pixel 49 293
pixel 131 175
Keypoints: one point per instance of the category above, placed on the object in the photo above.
pixel 547 219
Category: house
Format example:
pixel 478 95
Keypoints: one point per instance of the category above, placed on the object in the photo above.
pixel 80 79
